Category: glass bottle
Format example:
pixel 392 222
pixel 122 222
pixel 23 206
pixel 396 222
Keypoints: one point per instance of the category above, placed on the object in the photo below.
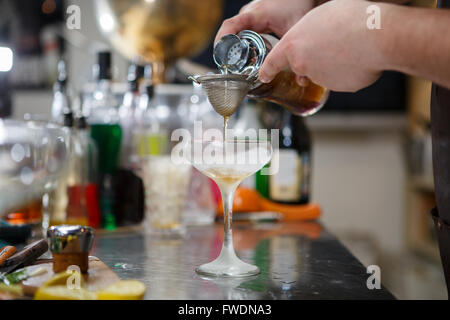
pixel 146 93
pixel 89 170
pixel 76 211
pixel 59 199
pixel 244 54
pixel 129 187
pixel 153 132
pixel 289 182
pixel 106 132
pixel 60 103
pixel 127 113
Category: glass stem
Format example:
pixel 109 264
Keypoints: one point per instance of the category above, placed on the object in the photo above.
pixel 227 199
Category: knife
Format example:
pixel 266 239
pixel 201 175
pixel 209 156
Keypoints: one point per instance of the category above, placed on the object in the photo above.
pixel 23 258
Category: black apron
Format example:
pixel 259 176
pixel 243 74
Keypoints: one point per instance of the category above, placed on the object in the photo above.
pixel 440 133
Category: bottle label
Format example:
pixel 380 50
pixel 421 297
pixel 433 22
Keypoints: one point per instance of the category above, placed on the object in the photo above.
pixel 285 185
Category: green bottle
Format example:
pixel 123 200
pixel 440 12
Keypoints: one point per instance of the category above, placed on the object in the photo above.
pixel 107 134
pixel 108 138
pixel 262 182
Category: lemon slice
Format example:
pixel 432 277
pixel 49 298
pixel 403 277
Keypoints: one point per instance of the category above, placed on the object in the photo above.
pixel 123 290
pixel 63 293
pixel 61 279
pixel 13 289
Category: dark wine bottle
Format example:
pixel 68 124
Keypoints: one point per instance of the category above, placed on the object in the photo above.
pixel 289 182
pixel 129 188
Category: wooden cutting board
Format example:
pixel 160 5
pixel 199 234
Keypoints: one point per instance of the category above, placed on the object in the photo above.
pixel 98 277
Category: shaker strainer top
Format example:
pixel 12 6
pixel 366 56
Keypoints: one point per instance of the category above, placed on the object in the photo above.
pixel 239 58
pixel 225 91
pixel 243 53
pixel 231 53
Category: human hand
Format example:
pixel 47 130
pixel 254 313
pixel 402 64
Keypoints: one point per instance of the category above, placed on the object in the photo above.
pixel 332 46
pixel 264 16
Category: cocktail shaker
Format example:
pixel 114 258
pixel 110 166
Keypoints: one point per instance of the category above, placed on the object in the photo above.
pixel 244 54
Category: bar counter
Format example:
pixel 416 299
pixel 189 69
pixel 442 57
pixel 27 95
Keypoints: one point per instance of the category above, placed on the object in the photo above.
pixel 300 260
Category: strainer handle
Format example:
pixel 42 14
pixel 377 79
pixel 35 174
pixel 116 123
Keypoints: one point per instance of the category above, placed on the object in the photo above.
pixel 194 79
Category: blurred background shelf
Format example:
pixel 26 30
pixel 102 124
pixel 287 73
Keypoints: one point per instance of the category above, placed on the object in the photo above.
pixel 358 121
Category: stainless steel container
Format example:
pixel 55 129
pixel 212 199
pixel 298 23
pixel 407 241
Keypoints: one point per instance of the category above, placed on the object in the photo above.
pixel 70 245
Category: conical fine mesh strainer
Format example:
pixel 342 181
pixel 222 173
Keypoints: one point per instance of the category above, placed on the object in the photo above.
pixel 225 92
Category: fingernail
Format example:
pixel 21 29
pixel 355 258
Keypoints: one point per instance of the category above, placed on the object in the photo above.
pixel 264 79
pixel 302 81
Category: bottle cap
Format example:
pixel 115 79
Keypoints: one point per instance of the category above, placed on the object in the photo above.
pixel 81 122
pixel 150 90
pixel 68 119
pixel 104 65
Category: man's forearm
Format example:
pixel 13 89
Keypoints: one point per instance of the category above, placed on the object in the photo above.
pixel 416 41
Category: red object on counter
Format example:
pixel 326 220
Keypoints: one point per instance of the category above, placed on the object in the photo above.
pixel 75 210
pixel 92 207
pixel 215 191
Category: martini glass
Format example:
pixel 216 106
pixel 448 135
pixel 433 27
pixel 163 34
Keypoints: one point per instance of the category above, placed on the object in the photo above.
pixel 228 164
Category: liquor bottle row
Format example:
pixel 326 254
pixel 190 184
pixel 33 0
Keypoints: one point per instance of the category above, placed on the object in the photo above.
pixel 109 193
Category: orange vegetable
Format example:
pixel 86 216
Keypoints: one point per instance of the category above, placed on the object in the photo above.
pixel 245 200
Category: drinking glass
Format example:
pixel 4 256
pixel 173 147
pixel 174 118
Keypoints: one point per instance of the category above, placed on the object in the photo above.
pixel 228 164
pixel 166 186
pixel 32 156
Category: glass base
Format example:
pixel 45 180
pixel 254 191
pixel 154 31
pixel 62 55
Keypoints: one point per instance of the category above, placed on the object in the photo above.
pixel 227 265
pixel 167 232
pixel 199 217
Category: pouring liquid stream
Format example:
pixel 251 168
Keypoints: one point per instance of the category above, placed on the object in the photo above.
pixel 225 118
